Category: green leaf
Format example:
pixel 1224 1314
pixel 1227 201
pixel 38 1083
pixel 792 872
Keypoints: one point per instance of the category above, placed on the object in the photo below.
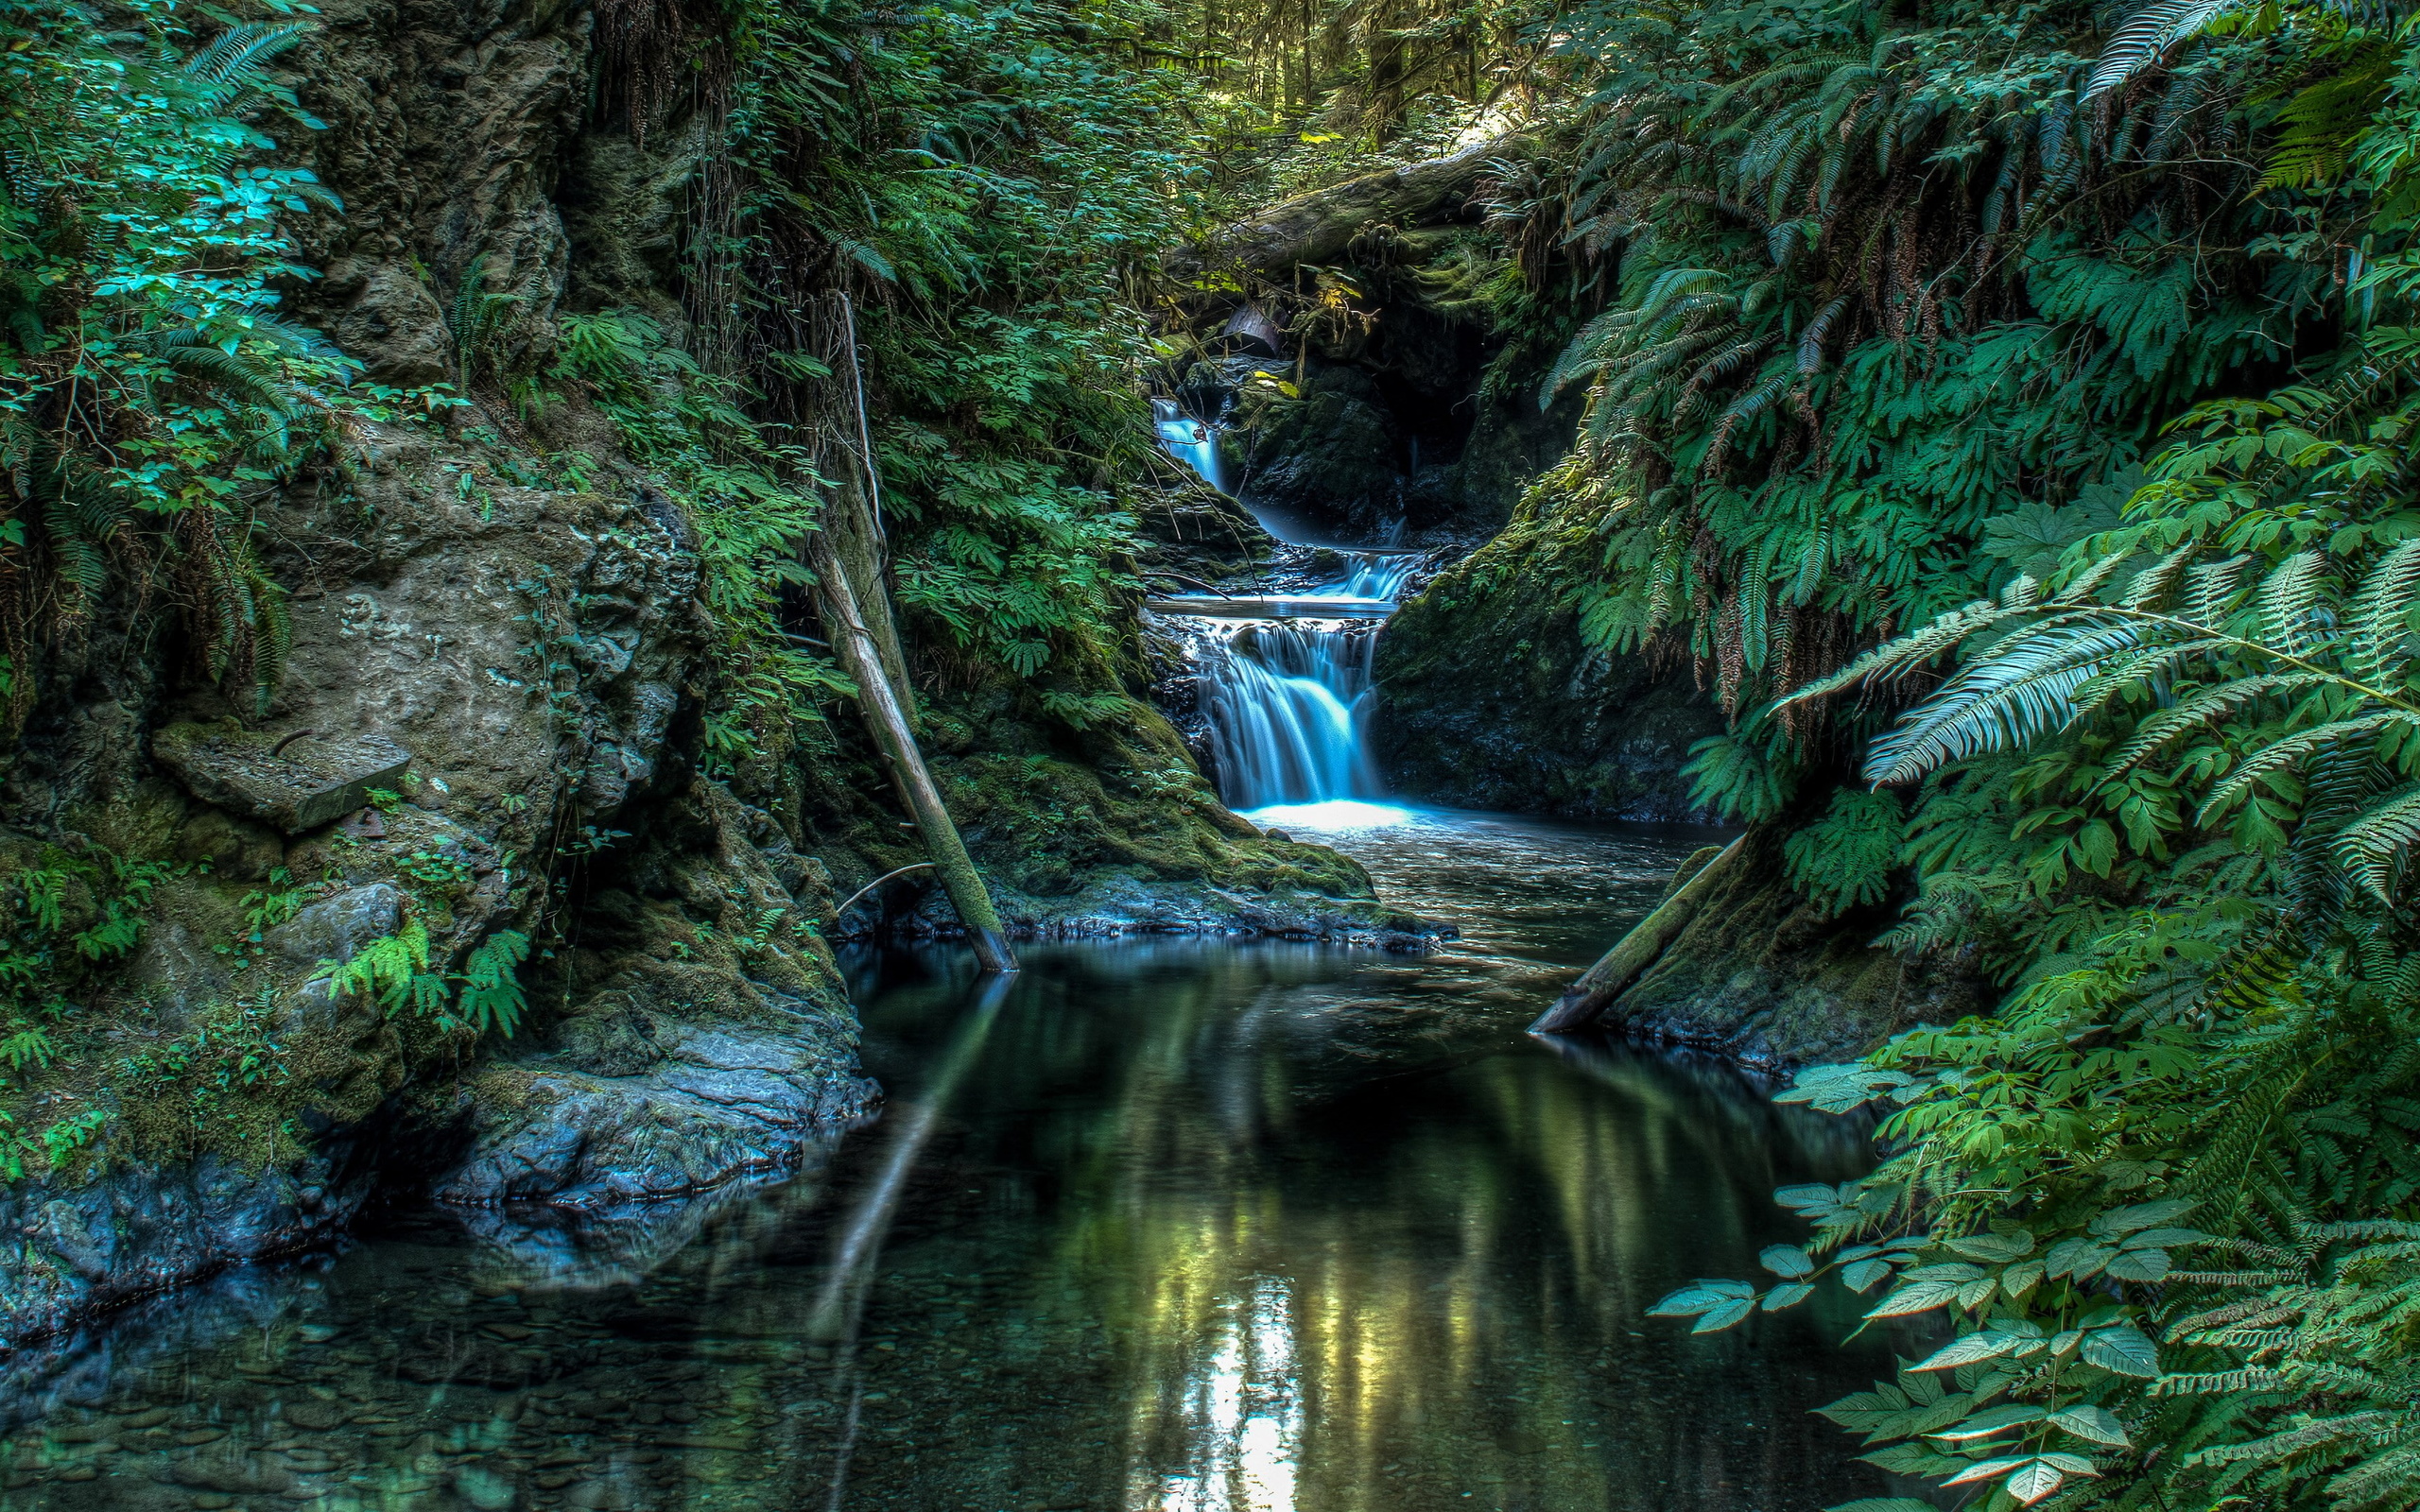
pixel 1968 1350
pixel 1861 1275
pixel 1698 1297
pixel 1993 1248
pixel 1724 1315
pixel 2139 1265
pixel 1915 1297
pixel 2122 1350
pixel 2020 1279
pixel 1984 1424
pixel 1786 1260
pixel 2033 1482
pixel 1988 1470
pixel 2142 1215
pixel 2095 1423
pixel 1789 1294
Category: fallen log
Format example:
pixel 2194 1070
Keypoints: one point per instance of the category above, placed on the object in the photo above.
pixel 860 657
pixel 1584 1000
pixel 1319 226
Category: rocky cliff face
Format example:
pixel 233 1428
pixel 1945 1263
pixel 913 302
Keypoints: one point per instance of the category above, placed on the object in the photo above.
pixel 488 728
pixel 1489 699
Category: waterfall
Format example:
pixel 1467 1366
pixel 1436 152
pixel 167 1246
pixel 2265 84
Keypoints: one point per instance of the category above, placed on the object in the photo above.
pixel 1287 702
pixel 1189 441
pixel 1374 577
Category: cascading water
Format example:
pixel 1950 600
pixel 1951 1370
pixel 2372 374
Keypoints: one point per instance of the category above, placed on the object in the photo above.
pixel 1189 441
pixel 1286 701
pixel 1285 683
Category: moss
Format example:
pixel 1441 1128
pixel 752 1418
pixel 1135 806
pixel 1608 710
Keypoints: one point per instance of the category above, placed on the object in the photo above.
pixel 1490 699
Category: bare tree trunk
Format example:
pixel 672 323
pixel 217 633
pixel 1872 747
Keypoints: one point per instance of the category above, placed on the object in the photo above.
pixel 860 657
pixel 1319 228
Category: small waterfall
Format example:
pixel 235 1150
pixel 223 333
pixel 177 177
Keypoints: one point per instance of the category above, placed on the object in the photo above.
pixel 1376 577
pixel 1286 700
pixel 1191 441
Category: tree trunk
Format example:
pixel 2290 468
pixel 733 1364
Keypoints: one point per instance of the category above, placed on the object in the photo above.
pixel 860 657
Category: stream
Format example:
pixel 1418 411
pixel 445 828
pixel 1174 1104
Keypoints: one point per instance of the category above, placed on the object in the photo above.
pixel 1180 1225
pixel 1155 1224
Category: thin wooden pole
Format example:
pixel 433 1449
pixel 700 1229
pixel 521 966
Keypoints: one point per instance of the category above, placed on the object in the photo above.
pixel 887 722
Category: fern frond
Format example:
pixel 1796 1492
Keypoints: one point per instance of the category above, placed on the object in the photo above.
pixel 2021 692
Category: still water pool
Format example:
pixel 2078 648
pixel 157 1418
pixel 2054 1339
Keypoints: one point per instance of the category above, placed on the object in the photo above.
pixel 1155 1226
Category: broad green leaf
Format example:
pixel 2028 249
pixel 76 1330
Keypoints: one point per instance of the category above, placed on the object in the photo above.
pixel 1985 1469
pixel 1726 1316
pixel 2139 1265
pixel 2036 1481
pixel 1915 1297
pixel 1967 1351
pixel 1789 1294
pixel 1993 1248
pixel 2021 1277
pixel 1698 1297
pixel 2080 1258
pixel 1815 1196
pixel 1984 1424
pixel 2096 1423
pixel 2123 1349
pixel 1864 1274
pixel 1786 1260
pixel 2141 1216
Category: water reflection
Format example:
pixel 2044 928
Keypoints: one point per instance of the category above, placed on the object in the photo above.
pixel 1162 1227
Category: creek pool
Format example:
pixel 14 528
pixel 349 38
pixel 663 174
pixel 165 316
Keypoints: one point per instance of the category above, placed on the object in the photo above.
pixel 1156 1226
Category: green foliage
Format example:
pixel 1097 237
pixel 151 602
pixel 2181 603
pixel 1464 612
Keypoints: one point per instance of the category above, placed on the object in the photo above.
pixel 998 316
pixel 394 973
pixel 2165 756
pixel 1845 859
pixel 751 501
pixel 60 921
pixel 150 390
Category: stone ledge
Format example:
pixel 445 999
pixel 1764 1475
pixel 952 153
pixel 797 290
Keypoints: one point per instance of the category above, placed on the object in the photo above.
pixel 311 781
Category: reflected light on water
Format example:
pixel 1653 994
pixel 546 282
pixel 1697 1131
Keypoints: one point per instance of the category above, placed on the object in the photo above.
pixel 1336 814
pixel 1243 1413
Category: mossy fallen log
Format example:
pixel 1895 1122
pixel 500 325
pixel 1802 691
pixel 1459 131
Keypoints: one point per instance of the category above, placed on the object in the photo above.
pixel 1586 998
pixel 1319 228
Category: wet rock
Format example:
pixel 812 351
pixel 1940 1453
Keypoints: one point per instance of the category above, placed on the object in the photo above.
pixel 288 784
pixel 138 1229
pixel 716 1104
pixel 1771 981
pixel 234 1475
pixel 335 928
pixel 234 848
pixel 615 1038
pixel 315 1417
pixel 1489 699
